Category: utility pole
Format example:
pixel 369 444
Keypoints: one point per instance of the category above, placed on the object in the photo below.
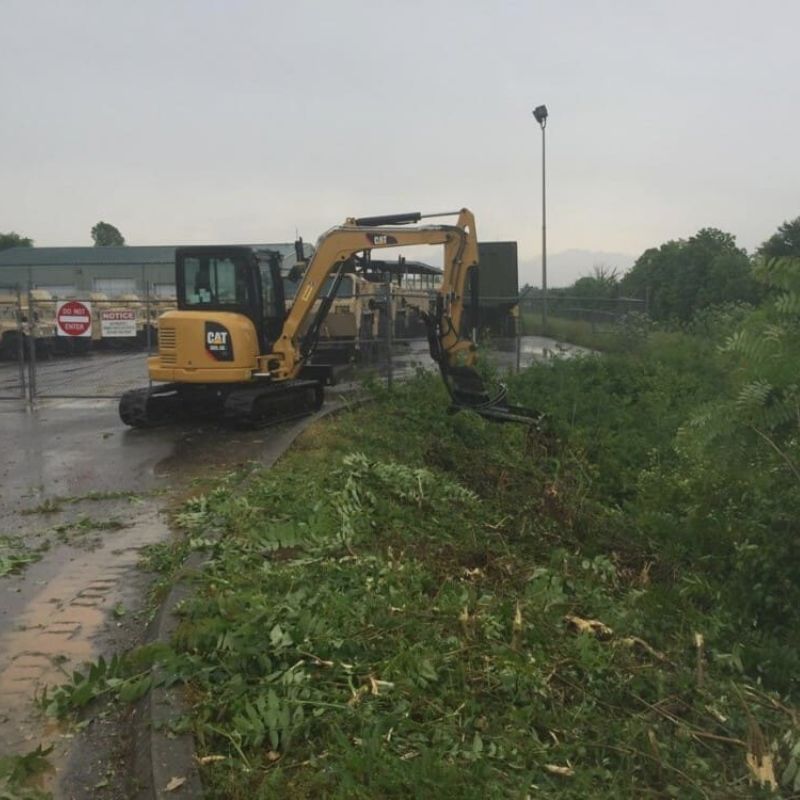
pixel 540 115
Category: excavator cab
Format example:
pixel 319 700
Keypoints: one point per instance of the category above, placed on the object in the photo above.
pixel 239 280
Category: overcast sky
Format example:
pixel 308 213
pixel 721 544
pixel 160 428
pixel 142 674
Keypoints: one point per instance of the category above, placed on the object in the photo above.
pixel 234 121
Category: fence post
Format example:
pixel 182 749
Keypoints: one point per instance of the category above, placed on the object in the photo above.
pixel 31 342
pixel 518 337
pixel 21 346
pixel 387 277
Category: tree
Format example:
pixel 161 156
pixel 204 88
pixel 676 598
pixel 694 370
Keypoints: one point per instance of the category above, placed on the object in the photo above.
pixel 12 239
pixel 105 234
pixel 784 242
pixel 683 276
pixel 602 283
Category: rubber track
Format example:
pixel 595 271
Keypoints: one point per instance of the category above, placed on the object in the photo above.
pixel 270 404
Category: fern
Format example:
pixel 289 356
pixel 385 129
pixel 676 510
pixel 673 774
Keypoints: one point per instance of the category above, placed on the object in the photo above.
pixel 788 304
pixel 754 395
pixel 365 481
pixel 747 344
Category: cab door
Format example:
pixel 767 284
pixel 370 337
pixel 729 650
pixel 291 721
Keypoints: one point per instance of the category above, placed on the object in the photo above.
pixel 270 291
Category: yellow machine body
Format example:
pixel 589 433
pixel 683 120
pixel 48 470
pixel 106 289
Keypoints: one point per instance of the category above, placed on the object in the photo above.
pixel 249 365
pixel 205 347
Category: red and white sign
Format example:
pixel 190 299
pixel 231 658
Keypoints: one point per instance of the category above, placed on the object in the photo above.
pixel 73 318
pixel 118 322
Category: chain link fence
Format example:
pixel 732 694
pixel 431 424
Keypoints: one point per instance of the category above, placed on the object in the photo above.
pixel 90 346
pixel 13 381
pixel 95 345
pixel 578 319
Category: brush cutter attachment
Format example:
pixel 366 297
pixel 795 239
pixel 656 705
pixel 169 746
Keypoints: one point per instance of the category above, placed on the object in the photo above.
pixel 468 390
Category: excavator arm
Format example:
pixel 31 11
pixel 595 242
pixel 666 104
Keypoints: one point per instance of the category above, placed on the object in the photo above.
pixel 455 355
pixel 340 244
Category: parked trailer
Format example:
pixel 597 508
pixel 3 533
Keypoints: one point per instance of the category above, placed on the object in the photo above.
pixel 355 326
pixel 18 320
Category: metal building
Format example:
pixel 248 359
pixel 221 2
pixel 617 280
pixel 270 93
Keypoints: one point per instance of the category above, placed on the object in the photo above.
pixel 68 272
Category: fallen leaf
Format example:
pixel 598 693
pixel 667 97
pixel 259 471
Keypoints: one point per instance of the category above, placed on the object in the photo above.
pixel 555 769
pixel 761 768
pixel 593 626
pixel 698 643
pixel 516 628
pixel 203 760
pixel 355 696
pixel 718 715
pixel 174 783
pixel 635 641
pixel 473 573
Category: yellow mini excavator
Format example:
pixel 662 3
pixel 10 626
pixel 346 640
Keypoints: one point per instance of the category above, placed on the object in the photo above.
pixel 230 350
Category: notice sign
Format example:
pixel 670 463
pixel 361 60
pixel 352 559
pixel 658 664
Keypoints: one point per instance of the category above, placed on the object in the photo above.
pixel 117 322
pixel 73 318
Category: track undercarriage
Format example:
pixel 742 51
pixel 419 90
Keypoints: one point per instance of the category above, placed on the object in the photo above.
pixel 252 405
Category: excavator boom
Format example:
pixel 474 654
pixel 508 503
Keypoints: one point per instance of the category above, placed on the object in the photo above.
pixel 340 244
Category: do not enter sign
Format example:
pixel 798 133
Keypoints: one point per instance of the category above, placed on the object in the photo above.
pixel 73 318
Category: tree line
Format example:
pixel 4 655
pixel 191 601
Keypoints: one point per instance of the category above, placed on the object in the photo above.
pixel 683 276
pixel 104 234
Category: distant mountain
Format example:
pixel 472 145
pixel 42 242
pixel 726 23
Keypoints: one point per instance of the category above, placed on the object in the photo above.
pixel 564 268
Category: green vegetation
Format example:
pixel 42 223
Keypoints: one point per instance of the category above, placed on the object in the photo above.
pixel 575 331
pixel 684 276
pixel 104 234
pixel 18 775
pixel 9 240
pixel 125 678
pixel 600 336
pixel 422 604
pixel 673 283
pixel 86 524
pixel 15 555
pixel 632 332
pixel 56 504
pixel 430 604
pixel 784 242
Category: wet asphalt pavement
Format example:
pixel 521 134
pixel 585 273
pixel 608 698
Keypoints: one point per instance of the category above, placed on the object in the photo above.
pixel 86 494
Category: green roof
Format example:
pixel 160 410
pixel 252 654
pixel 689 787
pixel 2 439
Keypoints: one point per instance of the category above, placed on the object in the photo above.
pixel 107 256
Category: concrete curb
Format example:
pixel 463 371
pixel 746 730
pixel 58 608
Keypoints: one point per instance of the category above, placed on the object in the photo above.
pixel 159 755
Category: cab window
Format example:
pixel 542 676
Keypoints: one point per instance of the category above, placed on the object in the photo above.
pixel 210 281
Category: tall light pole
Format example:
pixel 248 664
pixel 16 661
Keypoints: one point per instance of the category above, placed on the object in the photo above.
pixel 540 115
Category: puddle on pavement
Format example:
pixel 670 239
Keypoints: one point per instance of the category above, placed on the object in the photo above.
pixel 62 623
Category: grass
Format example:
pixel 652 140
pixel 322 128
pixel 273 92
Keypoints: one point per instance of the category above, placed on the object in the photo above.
pixel 416 604
pixel 15 555
pixel 20 773
pixel 594 335
pixel 54 505
pixel 603 337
